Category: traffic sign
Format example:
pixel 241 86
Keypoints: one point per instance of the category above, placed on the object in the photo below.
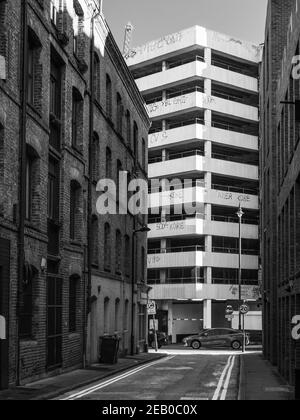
pixel 229 317
pixel 244 309
pixel 151 307
pixel 229 310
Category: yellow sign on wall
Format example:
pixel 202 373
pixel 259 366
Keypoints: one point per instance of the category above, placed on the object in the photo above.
pixel 2 68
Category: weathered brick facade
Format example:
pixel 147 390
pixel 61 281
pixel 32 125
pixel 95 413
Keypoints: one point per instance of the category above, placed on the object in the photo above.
pixel 56 332
pixel 280 188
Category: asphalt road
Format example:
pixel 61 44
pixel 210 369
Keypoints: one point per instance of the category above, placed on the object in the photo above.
pixel 177 377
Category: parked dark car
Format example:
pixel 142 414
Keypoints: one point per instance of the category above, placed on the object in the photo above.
pixel 162 339
pixel 217 337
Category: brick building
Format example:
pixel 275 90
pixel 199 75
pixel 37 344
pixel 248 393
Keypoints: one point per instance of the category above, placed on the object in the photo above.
pixel 60 260
pixel 280 185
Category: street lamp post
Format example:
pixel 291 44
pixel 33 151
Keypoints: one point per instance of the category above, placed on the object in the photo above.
pixel 143 229
pixel 240 214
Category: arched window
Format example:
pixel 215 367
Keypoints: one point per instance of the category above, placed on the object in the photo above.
pixel 143 265
pixel 106 315
pixel 118 247
pixel 26 301
pixel 95 158
pixel 108 96
pixel 95 241
pixel 135 140
pixel 2 162
pixel 117 315
pixel 127 254
pixel 128 128
pixel 32 182
pixel 77 120
pixel 108 163
pixel 126 315
pixel 34 70
pixel 144 154
pixel 96 77
pixel 119 114
pixel 73 303
pixel 107 247
pixel 75 214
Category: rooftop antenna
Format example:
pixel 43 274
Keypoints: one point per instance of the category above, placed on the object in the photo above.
pixel 128 38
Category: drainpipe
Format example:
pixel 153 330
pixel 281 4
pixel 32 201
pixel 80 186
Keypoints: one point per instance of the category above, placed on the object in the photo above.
pixel 22 174
pixel 96 13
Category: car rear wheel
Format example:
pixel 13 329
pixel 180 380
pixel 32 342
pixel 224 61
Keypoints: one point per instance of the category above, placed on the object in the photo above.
pixel 236 345
pixel 196 345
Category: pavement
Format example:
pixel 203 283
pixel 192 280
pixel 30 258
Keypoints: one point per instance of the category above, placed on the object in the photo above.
pixel 50 388
pixel 260 381
pixel 252 377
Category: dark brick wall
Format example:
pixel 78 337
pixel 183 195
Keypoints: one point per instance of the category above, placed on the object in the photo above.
pixel 73 167
pixel 279 188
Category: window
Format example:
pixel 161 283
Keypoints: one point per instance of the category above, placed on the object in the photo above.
pixel 77 118
pixel 126 315
pixel 106 315
pixel 118 263
pixel 135 140
pixel 144 151
pixel 53 190
pixel 30 73
pixel 74 210
pixel 34 70
pixel 107 247
pixel 55 104
pixel 95 241
pixel 108 96
pixel 2 161
pixel 78 28
pixel 73 285
pixel 119 170
pixel 26 304
pixel 96 77
pixel 95 158
pixel 29 187
pixel 108 163
pixel 117 315
pixel 119 114
pixel 143 265
pixel 54 10
pixel 128 128
pixel 127 260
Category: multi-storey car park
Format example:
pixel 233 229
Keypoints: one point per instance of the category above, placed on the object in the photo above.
pixel 201 90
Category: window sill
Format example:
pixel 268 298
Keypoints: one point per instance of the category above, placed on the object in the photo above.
pixel 77 244
pixel 28 342
pixel 73 335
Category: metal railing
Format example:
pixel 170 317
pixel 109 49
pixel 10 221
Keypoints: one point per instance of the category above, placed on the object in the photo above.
pixel 195 183
pixel 230 219
pixel 236 159
pixel 175 250
pixel 174 156
pixel 233 68
pixel 245 282
pixel 235 128
pixel 182 280
pixel 223 250
pixel 192 121
pixel 230 97
pixel 176 218
pixel 186 61
pixel 233 189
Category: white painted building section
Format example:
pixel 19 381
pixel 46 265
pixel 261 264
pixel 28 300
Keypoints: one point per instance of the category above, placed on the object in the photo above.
pixel 201 92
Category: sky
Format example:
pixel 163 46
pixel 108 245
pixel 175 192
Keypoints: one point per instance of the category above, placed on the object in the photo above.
pixel 244 19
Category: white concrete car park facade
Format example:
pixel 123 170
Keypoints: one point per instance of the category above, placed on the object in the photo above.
pixel 201 91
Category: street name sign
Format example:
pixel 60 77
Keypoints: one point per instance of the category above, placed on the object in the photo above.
pixel 151 307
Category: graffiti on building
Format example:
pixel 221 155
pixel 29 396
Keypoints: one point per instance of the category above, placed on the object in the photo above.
pixel 156 45
pixel 153 259
pixel 180 100
pixel 248 292
pixel 158 138
pixel 242 198
pixel 174 226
